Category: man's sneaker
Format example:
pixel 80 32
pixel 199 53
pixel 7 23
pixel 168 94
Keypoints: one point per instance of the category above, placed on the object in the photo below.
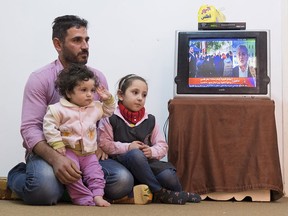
pixel 141 195
pixel 5 192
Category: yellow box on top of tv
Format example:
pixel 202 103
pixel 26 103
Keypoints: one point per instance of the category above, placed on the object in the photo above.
pixel 208 13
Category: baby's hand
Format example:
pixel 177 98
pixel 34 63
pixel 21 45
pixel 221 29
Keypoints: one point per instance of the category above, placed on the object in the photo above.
pixel 62 151
pixel 103 93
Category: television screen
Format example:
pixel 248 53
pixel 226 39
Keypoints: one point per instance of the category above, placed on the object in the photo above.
pixel 222 63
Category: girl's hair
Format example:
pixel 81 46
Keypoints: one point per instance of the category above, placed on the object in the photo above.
pixel 71 76
pixel 127 80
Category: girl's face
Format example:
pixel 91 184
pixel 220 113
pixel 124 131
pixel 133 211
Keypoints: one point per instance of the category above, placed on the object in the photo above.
pixel 83 94
pixel 135 95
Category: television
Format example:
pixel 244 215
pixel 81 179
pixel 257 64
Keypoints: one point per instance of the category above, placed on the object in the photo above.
pixel 222 63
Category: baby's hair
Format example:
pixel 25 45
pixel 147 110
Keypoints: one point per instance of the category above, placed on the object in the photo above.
pixel 71 76
pixel 127 80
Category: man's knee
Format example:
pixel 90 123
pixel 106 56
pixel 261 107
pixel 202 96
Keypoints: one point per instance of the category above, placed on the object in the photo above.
pixel 44 191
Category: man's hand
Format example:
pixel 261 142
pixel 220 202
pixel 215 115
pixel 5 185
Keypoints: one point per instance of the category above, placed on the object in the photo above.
pixel 252 71
pixel 66 170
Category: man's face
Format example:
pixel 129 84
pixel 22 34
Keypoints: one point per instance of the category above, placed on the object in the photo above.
pixel 191 50
pixel 75 48
pixel 242 57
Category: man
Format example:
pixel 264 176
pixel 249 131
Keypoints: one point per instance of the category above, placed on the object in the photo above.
pixel 40 181
pixel 243 69
pixel 218 64
pixel 192 62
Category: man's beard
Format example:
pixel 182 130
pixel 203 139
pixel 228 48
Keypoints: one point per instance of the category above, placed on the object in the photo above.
pixel 71 58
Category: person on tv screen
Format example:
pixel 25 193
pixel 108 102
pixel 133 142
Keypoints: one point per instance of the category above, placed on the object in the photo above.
pixel 243 69
pixel 228 66
pixel 192 62
pixel 218 64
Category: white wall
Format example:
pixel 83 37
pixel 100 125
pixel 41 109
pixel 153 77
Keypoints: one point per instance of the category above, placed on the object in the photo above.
pixel 127 36
pixel 285 89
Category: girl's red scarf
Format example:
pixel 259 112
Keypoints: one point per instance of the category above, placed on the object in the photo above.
pixel 131 117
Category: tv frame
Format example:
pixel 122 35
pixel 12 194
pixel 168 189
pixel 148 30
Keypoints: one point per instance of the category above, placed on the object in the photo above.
pixel 262 52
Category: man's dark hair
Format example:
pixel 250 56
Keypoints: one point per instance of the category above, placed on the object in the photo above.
pixel 63 23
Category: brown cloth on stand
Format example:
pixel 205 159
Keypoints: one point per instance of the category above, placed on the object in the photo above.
pixel 225 145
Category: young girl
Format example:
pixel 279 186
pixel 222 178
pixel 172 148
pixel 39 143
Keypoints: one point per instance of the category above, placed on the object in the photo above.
pixel 70 128
pixel 132 137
